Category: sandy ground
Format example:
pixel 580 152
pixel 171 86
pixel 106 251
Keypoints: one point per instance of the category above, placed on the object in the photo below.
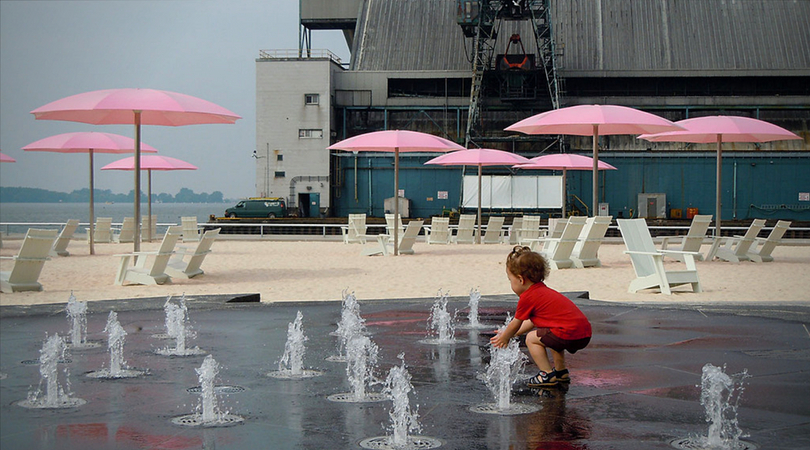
pixel 321 270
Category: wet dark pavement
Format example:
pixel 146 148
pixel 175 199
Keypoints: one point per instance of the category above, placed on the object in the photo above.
pixel 636 386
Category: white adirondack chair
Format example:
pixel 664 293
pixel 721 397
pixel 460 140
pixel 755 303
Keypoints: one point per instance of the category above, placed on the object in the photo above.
pixel 736 248
pixel 586 250
pixel 355 231
pixel 766 245
pixel 127 233
pixel 466 229
pixel 179 267
pixel 439 232
pixel 29 262
pixel 530 230
pixel 389 224
pixel 102 233
pixel 191 232
pixel 146 225
pixel 514 230
pixel 648 261
pixel 385 247
pixel 545 242
pixel 558 253
pixel 694 237
pixel 154 273
pixel 494 233
pixel 61 243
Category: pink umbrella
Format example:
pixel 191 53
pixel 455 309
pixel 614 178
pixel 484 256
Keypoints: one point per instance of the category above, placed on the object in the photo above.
pixel 594 120
pixel 396 141
pixel 150 163
pixel 564 162
pixel 478 157
pixel 6 158
pixel 719 129
pixel 88 142
pixel 135 106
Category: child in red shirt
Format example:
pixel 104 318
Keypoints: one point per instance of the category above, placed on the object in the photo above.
pixel 549 319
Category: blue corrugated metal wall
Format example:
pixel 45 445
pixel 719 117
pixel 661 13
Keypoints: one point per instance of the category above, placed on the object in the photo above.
pixel 766 185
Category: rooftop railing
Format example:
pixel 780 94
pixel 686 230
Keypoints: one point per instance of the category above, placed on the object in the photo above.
pixel 296 54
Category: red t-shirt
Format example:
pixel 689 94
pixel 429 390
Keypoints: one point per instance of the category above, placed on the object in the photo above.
pixel 547 308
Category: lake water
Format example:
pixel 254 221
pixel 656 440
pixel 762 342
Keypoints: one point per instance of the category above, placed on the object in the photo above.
pixel 61 212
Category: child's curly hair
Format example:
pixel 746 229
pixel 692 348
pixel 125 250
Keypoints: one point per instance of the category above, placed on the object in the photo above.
pixel 522 261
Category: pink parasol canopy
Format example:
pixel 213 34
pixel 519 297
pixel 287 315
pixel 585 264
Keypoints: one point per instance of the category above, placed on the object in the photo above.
pixel 719 129
pixel 150 163
pixel 564 162
pixel 396 141
pixel 478 157
pixel 6 159
pixel 88 142
pixel 135 106
pixel 594 120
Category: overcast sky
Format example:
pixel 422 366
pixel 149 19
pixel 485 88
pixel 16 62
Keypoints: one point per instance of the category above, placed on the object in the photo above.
pixel 205 48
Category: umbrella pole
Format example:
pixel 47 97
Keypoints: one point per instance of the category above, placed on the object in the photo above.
pixel 396 201
pixel 92 212
pixel 149 208
pixel 136 243
pixel 565 192
pixel 478 238
pixel 717 227
pixel 595 171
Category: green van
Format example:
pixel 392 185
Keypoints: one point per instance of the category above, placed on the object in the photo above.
pixel 258 208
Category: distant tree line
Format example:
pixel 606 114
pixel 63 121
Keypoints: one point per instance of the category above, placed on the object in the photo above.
pixel 34 195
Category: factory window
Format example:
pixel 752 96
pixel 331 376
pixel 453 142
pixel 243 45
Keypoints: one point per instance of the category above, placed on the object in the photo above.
pixel 310 134
pixel 279 157
pixel 312 99
pixel 280 175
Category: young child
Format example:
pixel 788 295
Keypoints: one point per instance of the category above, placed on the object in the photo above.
pixel 549 319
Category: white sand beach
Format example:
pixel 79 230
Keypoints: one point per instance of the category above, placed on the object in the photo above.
pixel 317 270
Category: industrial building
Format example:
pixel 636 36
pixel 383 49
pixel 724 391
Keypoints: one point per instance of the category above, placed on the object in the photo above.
pixel 467 69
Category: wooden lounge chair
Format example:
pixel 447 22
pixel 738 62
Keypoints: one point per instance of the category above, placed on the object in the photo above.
pixel 61 243
pixel 146 226
pixel 694 237
pixel 389 224
pixel 191 232
pixel 648 261
pixel 355 231
pixel 558 251
pixel 385 247
pixel 494 232
pixel 179 267
pixel 154 273
pixel 766 245
pixel 102 232
pixel 736 248
pixel 29 262
pixel 586 250
pixel 127 233
pixel 466 229
pixel 546 240
pixel 439 231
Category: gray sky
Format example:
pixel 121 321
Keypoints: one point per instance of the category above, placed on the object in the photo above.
pixel 205 48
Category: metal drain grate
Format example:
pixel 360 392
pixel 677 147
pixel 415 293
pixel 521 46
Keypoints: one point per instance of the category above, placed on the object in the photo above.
pixel 696 444
pixel 414 443
pixel 287 375
pixel 36 361
pixel 195 420
pixel 224 389
pixel 348 397
pixel 514 409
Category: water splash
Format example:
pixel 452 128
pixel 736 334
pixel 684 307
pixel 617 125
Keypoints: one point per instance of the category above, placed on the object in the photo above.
pixel 291 364
pixel 351 324
pixel 77 313
pixel 55 396
pixel 211 415
pixel 440 323
pixel 473 321
pixel 178 328
pixel 362 356
pixel 720 396
pixel 116 336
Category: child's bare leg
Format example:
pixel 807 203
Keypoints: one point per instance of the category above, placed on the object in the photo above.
pixel 538 352
pixel 559 359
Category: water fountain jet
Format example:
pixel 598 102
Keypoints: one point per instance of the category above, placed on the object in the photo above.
pixel 291 364
pixel 116 336
pixel 55 396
